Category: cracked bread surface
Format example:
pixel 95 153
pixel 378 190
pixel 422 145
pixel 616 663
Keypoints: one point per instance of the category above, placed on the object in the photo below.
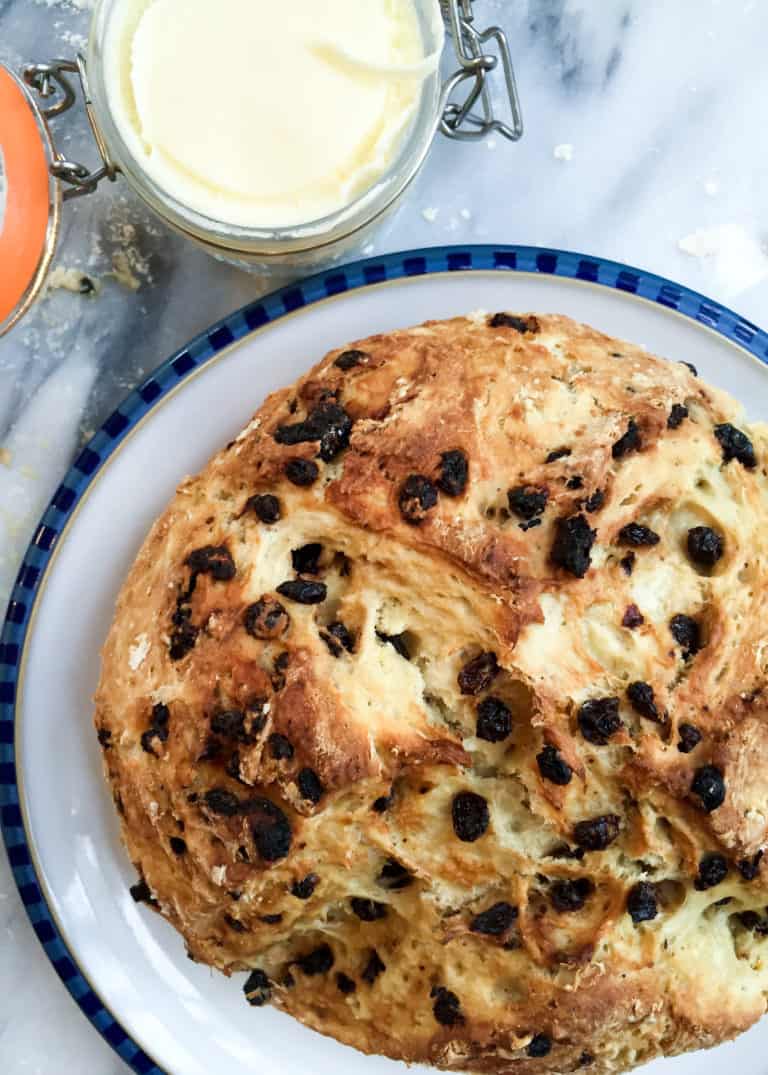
pixel 436 702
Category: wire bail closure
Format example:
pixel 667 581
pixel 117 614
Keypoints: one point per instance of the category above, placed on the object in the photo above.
pixel 50 82
pixel 458 120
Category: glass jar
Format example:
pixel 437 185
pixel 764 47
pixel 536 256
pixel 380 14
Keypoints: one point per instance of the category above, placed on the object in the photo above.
pixel 460 106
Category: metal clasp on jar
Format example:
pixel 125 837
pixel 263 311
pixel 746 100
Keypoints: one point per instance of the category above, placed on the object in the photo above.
pixel 50 81
pixel 458 120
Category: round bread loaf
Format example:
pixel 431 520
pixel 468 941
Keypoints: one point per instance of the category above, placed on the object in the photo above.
pixel 437 702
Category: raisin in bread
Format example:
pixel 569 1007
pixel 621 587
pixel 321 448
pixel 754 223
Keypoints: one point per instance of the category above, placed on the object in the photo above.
pixel 436 704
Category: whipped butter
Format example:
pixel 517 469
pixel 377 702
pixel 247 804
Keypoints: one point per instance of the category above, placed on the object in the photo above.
pixel 266 113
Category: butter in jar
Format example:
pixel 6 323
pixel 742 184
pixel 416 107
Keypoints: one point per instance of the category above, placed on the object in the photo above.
pixel 262 114
pixel 276 134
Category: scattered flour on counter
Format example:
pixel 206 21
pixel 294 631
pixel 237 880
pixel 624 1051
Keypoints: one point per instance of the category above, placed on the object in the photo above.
pixel 711 188
pixel 465 214
pixel 130 266
pixel 706 242
pixel 741 261
pixel 430 214
pixel 113 254
pixel 79 5
pixel 96 249
pixel 75 41
pixel 563 152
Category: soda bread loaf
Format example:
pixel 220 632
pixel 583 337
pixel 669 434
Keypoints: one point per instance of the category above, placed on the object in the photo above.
pixel 436 704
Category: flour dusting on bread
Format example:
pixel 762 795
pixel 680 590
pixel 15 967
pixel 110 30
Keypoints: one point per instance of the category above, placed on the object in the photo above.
pixel 436 704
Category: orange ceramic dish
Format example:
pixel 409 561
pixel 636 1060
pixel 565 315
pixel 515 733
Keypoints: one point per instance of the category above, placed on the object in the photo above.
pixel 24 224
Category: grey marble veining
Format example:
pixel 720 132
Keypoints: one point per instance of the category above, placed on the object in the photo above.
pixel 662 105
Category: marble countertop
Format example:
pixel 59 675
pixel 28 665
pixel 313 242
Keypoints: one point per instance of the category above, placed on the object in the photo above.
pixel 656 111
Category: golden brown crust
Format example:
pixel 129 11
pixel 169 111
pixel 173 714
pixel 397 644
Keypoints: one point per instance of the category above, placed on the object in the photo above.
pixel 272 766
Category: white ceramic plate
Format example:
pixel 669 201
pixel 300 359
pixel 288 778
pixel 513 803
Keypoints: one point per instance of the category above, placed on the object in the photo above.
pixel 132 972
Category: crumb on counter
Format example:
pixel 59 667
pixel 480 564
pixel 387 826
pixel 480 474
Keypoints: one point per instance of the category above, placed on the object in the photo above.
pixel 122 271
pixel 74 280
